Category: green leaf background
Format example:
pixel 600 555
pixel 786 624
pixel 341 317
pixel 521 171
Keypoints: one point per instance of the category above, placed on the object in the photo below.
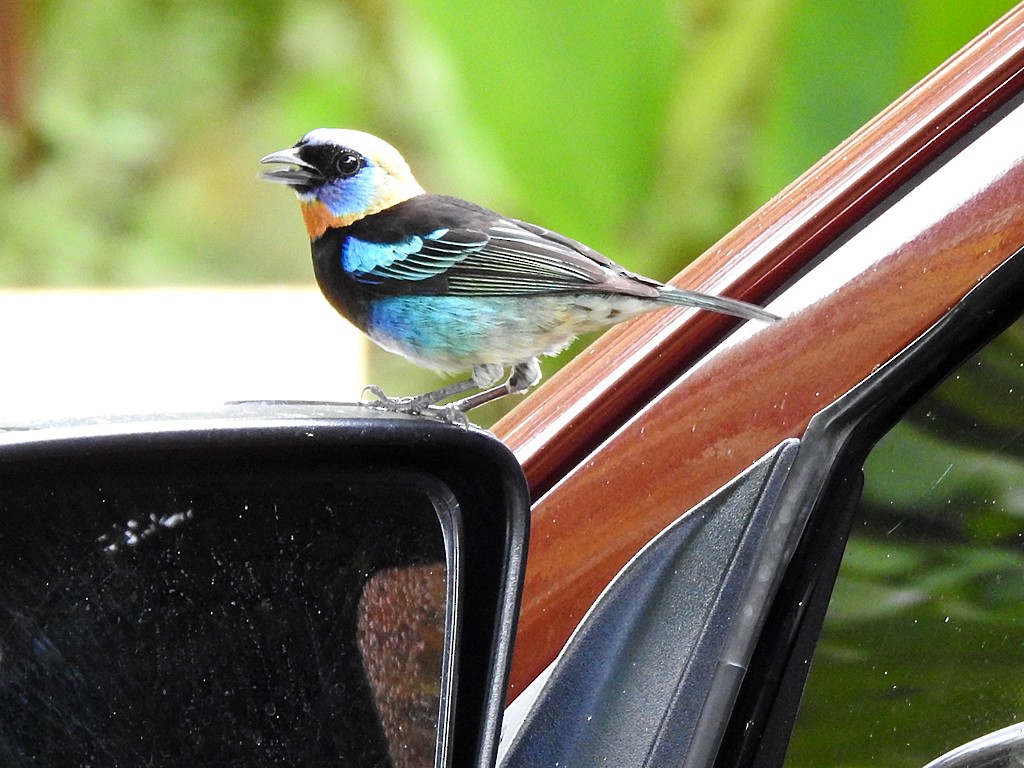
pixel 647 129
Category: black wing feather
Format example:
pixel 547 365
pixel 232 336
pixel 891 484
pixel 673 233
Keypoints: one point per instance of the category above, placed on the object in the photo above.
pixel 470 251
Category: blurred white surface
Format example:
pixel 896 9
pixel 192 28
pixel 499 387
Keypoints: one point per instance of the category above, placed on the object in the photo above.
pixel 85 353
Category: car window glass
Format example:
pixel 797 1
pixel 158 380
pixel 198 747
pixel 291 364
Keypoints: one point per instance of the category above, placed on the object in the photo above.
pixel 923 644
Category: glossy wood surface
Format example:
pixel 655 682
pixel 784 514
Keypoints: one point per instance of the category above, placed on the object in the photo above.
pixel 647 422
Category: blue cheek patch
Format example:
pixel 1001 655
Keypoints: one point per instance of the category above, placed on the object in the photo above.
pixel 346 197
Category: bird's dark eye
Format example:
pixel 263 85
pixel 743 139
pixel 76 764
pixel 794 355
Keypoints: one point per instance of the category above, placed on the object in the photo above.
pixel 347 164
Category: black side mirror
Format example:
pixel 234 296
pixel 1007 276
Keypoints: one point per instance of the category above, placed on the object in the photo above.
pixel 274 584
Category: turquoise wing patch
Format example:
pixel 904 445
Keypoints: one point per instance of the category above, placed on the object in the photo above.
pixel 416 258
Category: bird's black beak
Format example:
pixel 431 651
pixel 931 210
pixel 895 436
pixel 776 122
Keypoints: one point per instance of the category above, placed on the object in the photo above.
pixel 300 175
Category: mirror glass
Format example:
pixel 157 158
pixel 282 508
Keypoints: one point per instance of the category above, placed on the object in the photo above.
pixel 179 616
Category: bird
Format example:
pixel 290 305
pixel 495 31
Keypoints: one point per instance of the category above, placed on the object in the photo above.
pixel 451 285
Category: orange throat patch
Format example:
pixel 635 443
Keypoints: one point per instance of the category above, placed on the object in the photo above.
pixel 319 219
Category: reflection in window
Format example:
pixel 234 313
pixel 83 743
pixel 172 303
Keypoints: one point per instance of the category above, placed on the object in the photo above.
pixel 923 643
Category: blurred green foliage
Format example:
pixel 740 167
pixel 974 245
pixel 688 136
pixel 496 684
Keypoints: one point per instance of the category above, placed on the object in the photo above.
pixel 647 129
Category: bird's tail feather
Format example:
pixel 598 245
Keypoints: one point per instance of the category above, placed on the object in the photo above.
pixel 685 298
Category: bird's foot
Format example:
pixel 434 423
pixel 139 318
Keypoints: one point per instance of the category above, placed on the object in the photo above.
pixel 384 401
pixel 524 375
pixel 421 405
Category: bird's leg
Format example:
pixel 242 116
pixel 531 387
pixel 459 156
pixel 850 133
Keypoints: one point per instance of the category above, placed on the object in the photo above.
pixel 419 402
pixel 483 376
pixel 425 400
pixel 524 375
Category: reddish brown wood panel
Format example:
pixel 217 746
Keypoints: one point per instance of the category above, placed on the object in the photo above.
pixel 622 460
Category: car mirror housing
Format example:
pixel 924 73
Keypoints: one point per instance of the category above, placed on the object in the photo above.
pixel 272 583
